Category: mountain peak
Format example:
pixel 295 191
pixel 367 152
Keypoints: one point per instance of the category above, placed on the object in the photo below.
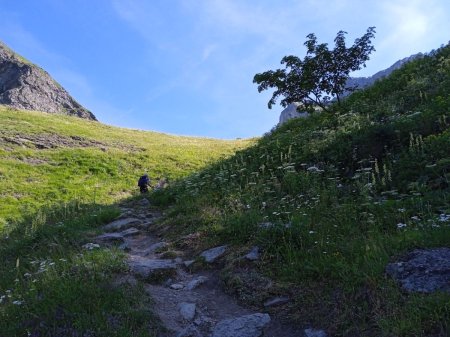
pixel 23 85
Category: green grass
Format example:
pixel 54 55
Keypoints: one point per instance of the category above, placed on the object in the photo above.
pixel 90 161
pixel 327 199
pixel 50 286
pixel 59 175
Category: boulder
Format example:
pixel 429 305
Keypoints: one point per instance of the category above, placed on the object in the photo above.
pixel 144 268
pixel 187 310
pixel 244 326
pixel 196 282
pixel 213 254
pixel 253 255
pixel 423 270
pixel 121 224
pixel 176 286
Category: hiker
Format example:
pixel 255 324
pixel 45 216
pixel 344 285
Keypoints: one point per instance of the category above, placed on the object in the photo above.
pixel 143 183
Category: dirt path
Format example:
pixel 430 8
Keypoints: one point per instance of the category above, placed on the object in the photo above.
pixel 188 304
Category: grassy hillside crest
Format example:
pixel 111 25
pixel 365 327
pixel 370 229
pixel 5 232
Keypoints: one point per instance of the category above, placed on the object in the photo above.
pixel 330 200
pixel 48 158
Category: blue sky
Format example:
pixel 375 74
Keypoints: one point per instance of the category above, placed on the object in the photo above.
pixel 186 66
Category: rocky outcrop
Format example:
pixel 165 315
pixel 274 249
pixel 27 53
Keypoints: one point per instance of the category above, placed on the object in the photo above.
pixel 291 112
pixel 423 270
pixel 24 85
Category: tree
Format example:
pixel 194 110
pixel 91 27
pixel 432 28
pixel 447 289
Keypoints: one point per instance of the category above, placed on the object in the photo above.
pixel 321 76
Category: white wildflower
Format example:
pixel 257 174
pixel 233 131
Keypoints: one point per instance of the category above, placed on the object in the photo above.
pixel 444 217
pixel 401 225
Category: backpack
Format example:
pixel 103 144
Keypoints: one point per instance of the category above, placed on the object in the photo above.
pixel 143 181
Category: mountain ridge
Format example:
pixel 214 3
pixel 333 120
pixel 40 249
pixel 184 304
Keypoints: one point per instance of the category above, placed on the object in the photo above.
pixel 24 85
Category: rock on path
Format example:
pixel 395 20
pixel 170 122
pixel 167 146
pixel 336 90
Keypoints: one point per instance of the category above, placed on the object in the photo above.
pixel 315 333
pixel 144 268
pixel 213 254
pixel 121 224
pixel 185 308
pixel 245 326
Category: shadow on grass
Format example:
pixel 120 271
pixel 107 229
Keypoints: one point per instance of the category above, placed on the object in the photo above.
pixel 50 286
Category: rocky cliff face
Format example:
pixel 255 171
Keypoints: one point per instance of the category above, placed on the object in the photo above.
pixel 23 85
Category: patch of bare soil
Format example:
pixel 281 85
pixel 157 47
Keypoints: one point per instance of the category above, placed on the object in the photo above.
pixel 52 141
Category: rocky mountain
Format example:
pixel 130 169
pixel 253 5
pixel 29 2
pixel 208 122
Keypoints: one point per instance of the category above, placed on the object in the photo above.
pixel 357 82
pixel 24 85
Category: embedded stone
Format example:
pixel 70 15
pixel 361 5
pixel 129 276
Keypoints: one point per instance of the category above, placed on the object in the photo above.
pixel 315 333
pixel 276 301
pixel 213 254
pixel 253 255
pixel 188 263
pixel 154 247
pixel 423 270
pixel 244 326
pixel 121 224
pixel 187 310
pixel 144 267
pixel 196 282
pixel 110 238
pixel 176 286
pixel 130 232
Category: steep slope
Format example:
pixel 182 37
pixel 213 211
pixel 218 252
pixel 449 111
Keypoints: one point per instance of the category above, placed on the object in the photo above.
pixel 51 158
pixel 329 201
pixel 24 85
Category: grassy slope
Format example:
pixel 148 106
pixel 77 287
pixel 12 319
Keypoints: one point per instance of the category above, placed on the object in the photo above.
pixel 59 179
pixel 343 193
pixel 105 170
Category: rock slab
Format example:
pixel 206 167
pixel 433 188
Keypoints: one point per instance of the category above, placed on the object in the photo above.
pixel 423 270
pixel 244 326
pixel 187 310
pixel 121 224
pixel 144 268
pixel 196 282
pixel 253 255
pixel 315 333
pixel 110 238
pixel 213 254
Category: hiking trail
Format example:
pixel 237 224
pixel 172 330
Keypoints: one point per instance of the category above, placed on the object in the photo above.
pixel 189 304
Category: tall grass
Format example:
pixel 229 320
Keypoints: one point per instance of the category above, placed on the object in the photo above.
pixel 332 198
pixel 50 286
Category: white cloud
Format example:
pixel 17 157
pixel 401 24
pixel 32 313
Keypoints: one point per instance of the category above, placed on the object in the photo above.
pixel 411 26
